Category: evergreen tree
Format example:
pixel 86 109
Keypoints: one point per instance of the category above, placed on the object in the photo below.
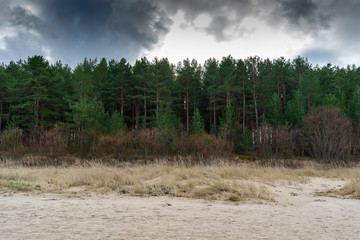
pixel 31 98
pixel 167 122
pixel 197 124
pixel 163 77
pixel 243 83
pixel 295 110
pixel 274 115
pixel 143 77
pixel 116 123
pixel 3 95
pixel 116 86
pixel 189 82
pixel 83 80
pixel 211 85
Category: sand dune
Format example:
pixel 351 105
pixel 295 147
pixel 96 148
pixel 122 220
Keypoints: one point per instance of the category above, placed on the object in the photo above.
pixel 298 213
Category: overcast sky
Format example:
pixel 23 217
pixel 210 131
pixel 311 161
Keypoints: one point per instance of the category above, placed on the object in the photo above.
pixel 70 30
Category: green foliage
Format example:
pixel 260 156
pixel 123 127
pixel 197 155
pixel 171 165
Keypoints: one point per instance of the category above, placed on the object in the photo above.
pixel 116 123
pixel 244 143
pixel 355 103
pixel 229 99
pixel 295 110
pixel 311 88
pixel 274 115
pixel 227 124
pixel 197 124
pixel 116 86
pixel 89 114
pixel 167 122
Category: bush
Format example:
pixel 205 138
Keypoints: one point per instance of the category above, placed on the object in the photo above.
pixel 119 146
pixel 12 141
pixel 52 142
pixel 151 142
pixel 199 147
pixel 329 135
pixel 243 143
pixel 273 143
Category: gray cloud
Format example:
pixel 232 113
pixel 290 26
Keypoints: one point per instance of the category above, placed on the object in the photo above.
pixel 304 14
pixel 321 56
pixel 73 29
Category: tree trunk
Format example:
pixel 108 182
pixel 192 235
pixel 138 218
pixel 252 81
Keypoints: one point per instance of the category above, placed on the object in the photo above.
pixel 214 103
pixel 256 109
pixel 244 109
pixel 1 112
pixel 133 115
pixel 122 103
pixel 187 111
pixel 36 114
pixel 284 93
pixel 82 139
pixel 228 96
pixel 137 114
pixel 157 102
pixel 145 109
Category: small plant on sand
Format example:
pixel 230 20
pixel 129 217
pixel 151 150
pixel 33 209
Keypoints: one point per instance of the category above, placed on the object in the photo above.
pixel 16 186
pixel 234 198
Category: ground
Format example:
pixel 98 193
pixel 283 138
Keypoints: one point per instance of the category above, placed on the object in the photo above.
pixel 298 212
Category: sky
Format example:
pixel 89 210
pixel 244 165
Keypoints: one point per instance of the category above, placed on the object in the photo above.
pixel 324 31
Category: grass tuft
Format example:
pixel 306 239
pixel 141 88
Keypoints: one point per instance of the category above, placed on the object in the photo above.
pixel 15 186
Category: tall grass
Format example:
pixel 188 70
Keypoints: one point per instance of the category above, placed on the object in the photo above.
pixel 219 180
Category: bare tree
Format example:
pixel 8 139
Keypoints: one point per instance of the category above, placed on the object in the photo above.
pixel 329 135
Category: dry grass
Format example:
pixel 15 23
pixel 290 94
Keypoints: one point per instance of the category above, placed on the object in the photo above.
pixel 220 181
pixel 350 190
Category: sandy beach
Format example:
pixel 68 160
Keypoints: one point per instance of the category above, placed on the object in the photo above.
pixel 297 213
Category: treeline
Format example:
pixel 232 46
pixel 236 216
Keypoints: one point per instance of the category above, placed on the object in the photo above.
pixel 269 108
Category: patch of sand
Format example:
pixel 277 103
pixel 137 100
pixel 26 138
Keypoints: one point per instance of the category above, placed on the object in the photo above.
pixel 298 213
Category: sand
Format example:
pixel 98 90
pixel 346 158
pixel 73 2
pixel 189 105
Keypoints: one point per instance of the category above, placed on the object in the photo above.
pixel 298 213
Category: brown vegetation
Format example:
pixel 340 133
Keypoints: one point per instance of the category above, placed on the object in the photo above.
pixel 329 135
pixel 218 180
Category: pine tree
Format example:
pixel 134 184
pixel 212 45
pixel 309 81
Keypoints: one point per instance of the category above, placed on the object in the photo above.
pixel 211 85
pixel 116 86
pixel 295 110
pixel 274 115
pixel 197 124
pixel 189 76
pixel 167 122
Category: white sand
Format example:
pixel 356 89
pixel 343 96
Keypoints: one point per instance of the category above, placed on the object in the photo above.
pixel 297 214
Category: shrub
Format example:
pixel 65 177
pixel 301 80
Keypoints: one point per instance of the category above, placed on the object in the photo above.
pixel 273 143
pixel 151 142
pixel 329 135
pixel 243 143
pixel 119 146
pixel 12 141
pixel 52 142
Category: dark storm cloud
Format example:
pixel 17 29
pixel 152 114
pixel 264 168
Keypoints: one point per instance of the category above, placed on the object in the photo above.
pixel 22 17
pixel 142 21
pixel 73 29
pixel 227 16
pixel 300 12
